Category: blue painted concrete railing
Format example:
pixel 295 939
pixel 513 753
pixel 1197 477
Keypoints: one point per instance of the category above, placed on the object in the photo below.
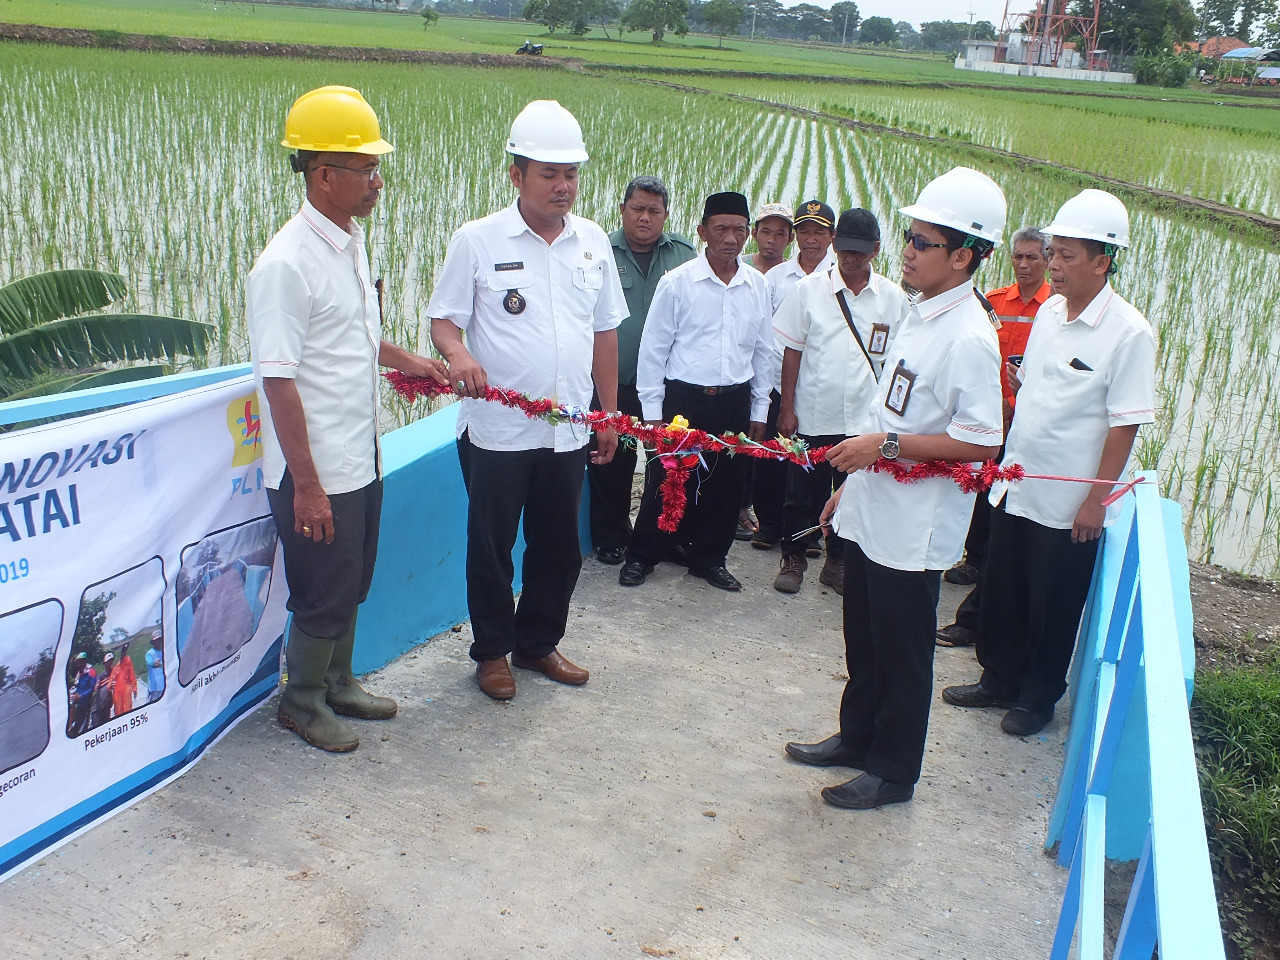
pixel 1129 786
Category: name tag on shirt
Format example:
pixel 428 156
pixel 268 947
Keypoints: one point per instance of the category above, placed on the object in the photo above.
pixel 505 267
pixel 900 384
pixel 879 339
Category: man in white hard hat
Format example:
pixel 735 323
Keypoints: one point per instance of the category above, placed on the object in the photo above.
pixel 1086 383
pixel 535 289
pixel 316 343
pixel 836 328
pixel 938 399
pixel 706 354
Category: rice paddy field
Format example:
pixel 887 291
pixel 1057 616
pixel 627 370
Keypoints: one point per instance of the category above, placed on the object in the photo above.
pixel 168 169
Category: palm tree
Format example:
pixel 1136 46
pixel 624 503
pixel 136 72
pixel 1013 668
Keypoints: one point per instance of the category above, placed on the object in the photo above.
pixel 48 344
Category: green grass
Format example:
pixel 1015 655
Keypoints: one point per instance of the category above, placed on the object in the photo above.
pixel 1221 153
pixel 320 25
pixel 1236 714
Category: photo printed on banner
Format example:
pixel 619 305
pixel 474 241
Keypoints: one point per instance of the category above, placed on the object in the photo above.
pixel 220 592
pixel 115 627
pixel 28 642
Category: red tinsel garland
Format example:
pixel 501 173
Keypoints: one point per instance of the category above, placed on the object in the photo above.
pixel 679 448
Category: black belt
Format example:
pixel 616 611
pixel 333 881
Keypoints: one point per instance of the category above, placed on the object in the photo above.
pixel 710 391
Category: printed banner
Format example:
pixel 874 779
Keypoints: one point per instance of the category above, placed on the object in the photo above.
pixel 142 605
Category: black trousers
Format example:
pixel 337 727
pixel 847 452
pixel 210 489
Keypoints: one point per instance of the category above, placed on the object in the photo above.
pixel 1035 587
pixel 502 485
pixel 807 493
pixel 610 483
pixel 327 581
pixel 713 494
pixel 890 617
pixel 769 479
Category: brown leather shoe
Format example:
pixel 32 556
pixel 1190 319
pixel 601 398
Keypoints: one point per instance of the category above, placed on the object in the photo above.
pixel 554 667
pixel 495 678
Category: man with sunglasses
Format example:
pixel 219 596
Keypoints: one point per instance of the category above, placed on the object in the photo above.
pixel 938 399
pixel 316 343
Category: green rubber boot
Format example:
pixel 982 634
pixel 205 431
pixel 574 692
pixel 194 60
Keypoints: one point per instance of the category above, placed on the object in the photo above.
pixel 302 705
pixel 346 696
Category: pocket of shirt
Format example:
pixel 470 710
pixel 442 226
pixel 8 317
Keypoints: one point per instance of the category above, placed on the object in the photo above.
pixel 590 278
pixel 501 284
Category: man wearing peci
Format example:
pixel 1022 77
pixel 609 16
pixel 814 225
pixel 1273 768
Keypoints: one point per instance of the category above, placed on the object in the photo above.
pixel 644 252
pixel 706 354
pixel 316 343
pixel 536 291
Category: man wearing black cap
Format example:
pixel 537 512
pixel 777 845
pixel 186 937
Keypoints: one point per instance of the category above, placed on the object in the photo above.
pixel 705 354
pixel 815 224
pixel 835 327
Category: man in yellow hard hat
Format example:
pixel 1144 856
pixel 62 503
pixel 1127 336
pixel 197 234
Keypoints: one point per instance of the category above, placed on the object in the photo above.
pixel 315 340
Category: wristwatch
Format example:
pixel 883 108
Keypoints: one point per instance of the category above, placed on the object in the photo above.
pixel 889 449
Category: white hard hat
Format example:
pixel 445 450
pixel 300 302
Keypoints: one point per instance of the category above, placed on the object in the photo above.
pixel 548 132
pixel 1092 215
pixel 964 200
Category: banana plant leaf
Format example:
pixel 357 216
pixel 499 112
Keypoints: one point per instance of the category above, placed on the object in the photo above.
pixel 85 379
pixel 101 338
pixel 44 297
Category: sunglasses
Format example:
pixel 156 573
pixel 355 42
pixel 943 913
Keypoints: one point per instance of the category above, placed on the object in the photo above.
pixel 920 243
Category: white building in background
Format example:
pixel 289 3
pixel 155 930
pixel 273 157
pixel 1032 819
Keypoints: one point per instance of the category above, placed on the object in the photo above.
pixel 1016 55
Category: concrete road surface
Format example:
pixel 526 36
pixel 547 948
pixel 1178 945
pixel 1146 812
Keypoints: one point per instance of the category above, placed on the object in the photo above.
pixel 650 813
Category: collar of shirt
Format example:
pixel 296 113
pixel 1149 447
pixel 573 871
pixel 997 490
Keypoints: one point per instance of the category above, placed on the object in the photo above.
pixel 702 271
pixel 1092 314
pixel 838 282
pixel 514 223
pixel 329 231
pixel 948 300
pixel 1008 301
pixel 619 241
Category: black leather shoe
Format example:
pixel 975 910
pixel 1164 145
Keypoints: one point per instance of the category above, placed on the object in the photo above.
pixel 1024 721
pixel 975 695
pixel 718 577
pixel 611 555
pixel 828 753
pixel 954 635
pixel 633 573
pixel 866 791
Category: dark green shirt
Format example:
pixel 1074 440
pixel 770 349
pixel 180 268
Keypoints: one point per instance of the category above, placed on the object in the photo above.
pixel 671 251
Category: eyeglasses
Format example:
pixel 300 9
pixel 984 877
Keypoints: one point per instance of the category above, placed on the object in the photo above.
pixel 371 172
pixel 920 243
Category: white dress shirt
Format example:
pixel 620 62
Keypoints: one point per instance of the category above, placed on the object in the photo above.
pixel 782 279
pixel 709 333
pixel 563 294
pixel 836 383
pixel 1065 410
pixel 949 345
pixel 312 314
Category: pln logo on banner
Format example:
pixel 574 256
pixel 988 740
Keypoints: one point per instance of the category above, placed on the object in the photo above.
pixel 245 426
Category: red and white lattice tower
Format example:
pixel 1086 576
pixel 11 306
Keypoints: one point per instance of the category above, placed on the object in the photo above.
pixel 1044 34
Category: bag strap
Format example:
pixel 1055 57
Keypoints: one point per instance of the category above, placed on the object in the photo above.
pixel 848 318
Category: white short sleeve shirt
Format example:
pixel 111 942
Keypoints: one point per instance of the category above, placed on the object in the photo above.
pixel 941 375
pixel 1080 378
pixel 837 379
pixel 530 311
pixel 782 279
pixel 703 331
pixel 312 314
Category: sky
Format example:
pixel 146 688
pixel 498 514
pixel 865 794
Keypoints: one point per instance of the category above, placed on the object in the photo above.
pixel 922 11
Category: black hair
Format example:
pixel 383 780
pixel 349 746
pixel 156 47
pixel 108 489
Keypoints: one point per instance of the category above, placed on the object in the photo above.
pixel 302 160
pixel 1097 248
pixel 649 185
pixel 522 163
pixel 979 248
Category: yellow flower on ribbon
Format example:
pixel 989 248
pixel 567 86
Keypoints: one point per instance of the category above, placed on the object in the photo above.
pixel 678 422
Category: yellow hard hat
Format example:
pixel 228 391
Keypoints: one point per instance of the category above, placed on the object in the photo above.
pixel 333 119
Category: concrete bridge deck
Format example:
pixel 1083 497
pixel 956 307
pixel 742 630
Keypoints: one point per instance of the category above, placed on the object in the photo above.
pixel 650 813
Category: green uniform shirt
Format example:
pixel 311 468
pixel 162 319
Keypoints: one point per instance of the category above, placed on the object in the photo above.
pixel 671 251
